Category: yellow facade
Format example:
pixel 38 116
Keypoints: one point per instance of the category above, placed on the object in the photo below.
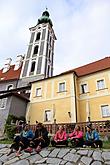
pixel 90 103
pixel 60 105
pixel 72 104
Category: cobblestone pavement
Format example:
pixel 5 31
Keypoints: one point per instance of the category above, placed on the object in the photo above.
pixel 56 156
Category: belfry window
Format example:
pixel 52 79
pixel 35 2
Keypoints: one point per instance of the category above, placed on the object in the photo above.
pixel 36 49
pixel 33 66
pixel 38 36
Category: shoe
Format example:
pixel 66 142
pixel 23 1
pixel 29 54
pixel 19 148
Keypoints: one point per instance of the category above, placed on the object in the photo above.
pixel 38 149
pixel 29 149
pixel 18 154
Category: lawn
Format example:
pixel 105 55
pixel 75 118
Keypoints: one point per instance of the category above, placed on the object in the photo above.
pixel 106 145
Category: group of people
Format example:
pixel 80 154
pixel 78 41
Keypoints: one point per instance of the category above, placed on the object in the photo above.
pixel 27 140
pixel 76 137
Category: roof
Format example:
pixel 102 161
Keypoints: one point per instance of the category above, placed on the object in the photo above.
pixel 14 94
pixel 11 74
pixel 84 70
pixel 91 67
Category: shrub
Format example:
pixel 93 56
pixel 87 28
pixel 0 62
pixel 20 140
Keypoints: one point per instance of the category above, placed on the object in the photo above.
pixel 10 128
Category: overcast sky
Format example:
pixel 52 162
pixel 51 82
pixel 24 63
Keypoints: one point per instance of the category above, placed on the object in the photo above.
pixel 82 28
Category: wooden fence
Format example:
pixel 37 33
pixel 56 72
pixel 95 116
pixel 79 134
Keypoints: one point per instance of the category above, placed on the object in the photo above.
pixel 101 126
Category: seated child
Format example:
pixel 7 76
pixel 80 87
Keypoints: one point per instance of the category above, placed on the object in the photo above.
pixel 40 139
pixel 21 142
pixel 60 137
pixel 76 137
pixel 92 138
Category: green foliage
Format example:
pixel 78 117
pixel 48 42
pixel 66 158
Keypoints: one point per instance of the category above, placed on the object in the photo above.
pixel 6 141
pixel 10 130
pixel 10 126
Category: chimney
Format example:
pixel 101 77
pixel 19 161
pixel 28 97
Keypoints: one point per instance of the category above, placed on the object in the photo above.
pixel 7 65
pixel 18 62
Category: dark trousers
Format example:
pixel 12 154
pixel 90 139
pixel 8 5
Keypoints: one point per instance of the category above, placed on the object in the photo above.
pixel 20 142
pixel 94 143
pixel 77 142
pixel 39 141
pixel 54 143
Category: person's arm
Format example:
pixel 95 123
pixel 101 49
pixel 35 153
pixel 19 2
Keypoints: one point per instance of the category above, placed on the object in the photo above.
pixel 30 135
pixel 44 133
pixel 65 136
pixel 96 135
pixel 56 136
pixel 80 135
pixel 72 134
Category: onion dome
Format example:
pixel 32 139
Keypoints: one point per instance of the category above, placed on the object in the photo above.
pixel 45 18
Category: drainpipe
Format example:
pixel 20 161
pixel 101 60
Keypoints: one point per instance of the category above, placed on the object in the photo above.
pixel 74 78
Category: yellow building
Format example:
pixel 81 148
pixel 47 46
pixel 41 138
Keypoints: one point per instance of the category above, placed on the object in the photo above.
pixel 53 99
pixel 77 95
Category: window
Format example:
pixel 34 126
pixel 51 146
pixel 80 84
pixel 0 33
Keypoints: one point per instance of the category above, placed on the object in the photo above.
pixel 62 87
pixel 36 49
pixel 38 92
pixel 10 87
pixel 38 36
pixel 3 103
pixel 39 65
pixel 100 84
pixel 33 66
pixel 105 110
pixel 47 116
pixel 84 88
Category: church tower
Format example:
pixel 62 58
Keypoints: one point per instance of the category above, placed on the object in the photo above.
pixel 38 62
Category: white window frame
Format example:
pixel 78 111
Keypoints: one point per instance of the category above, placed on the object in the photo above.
pixel 62 82
pixel 102 79
pixel 29 67
pixel 3 101
pixel 38 94
pixel 47 110
pixel 102 113
pixel 85 83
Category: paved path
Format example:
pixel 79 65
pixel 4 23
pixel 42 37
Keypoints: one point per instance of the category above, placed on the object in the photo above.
pixel 56 156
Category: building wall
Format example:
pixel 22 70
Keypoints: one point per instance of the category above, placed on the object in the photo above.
pixel 4 114
pixel 4 85
pixel 64 105
pixel 94 98
pixel 18 106
pixel 61 104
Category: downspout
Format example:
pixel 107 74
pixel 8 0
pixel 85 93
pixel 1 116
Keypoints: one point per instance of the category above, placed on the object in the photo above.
pixel 74 76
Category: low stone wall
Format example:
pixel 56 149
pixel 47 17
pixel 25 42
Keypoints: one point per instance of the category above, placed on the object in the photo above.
pixel 56 156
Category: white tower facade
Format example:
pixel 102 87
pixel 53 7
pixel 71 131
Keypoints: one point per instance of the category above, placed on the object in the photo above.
pixel 38 62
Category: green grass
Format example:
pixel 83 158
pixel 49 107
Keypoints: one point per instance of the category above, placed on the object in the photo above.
pixel 6 141
pixel 106 145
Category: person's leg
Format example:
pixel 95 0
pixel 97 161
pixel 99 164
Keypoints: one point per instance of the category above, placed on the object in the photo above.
pixel 88 143
pixel 79 142
pixel 15 145
pixel 98 143
pixel 63 142
pixel 53 143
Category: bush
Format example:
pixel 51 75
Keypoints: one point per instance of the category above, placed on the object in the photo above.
pixel 10 129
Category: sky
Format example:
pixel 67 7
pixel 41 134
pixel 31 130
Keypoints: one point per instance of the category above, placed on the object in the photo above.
pixel 82 28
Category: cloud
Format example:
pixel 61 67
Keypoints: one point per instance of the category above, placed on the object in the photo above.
pixel 81 27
